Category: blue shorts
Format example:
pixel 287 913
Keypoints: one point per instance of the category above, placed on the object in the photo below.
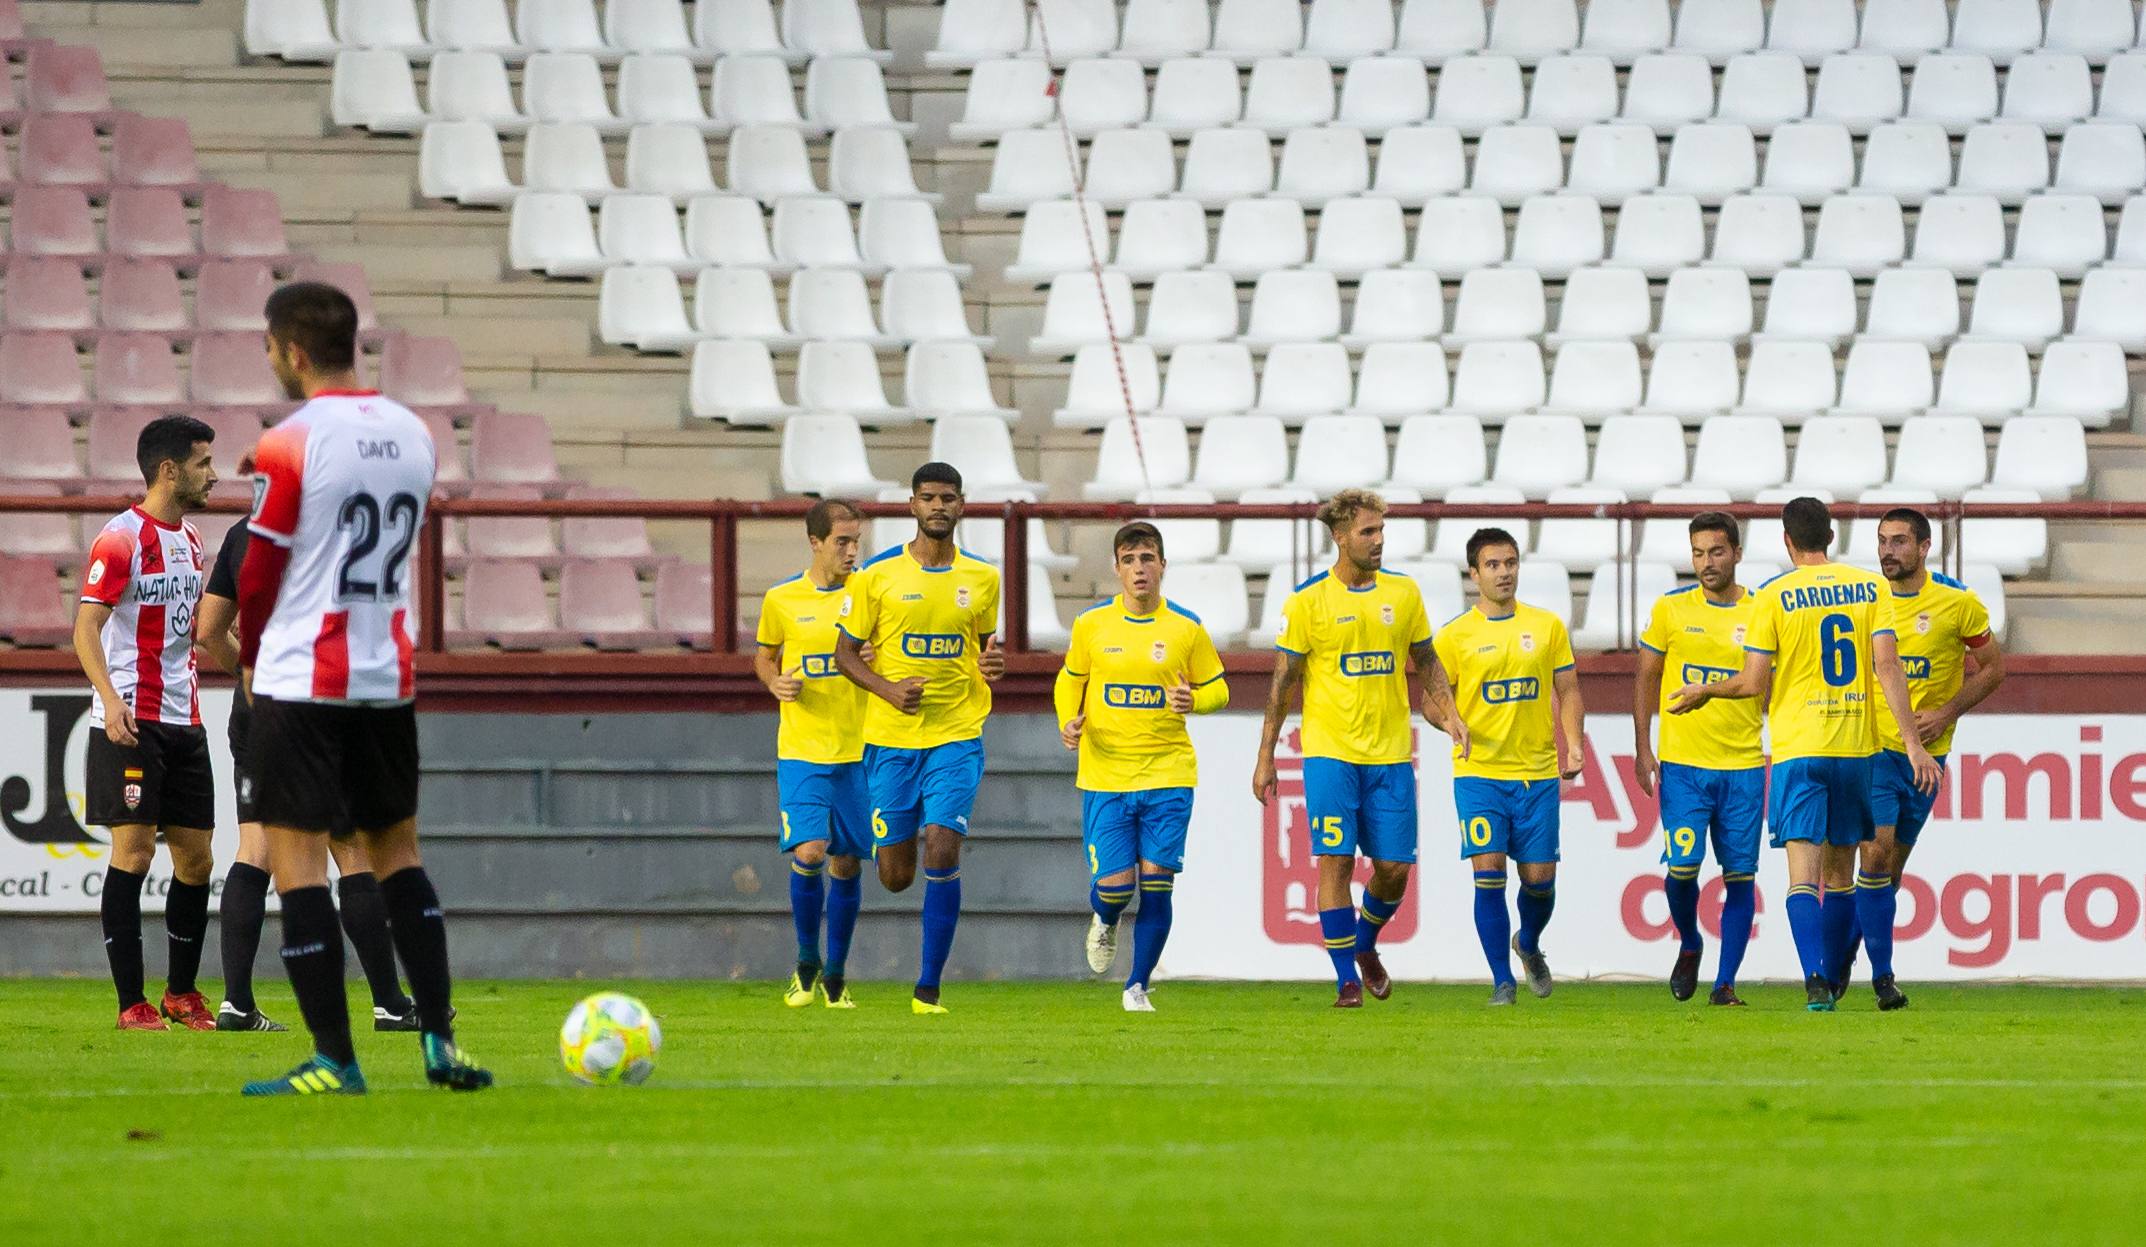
pixel 825 801
pixel 1732 804
pixel 1122 829
pixel 1894 800
pixel 1356 808
pixel 1824 800
pixel 1516 817
pixel 914 788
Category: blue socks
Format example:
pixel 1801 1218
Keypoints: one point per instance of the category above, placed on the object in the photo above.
pixel 1109 902
pixel 1805 925
pixel 1875 905
pixel 1682 889
pixel 1493 924
pixel 1372 918
pixel 942 912
pixel 1838 924
pixel 1536 902
pixel 844 898
pixel 1338 926
pixel 808 898
pixel 1739 904
pixel 1151 928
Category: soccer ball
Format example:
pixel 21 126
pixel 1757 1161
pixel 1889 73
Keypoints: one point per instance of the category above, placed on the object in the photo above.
pixel 610 1038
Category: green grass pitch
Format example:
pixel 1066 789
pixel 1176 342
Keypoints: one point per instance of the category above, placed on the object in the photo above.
pixel 1240 1113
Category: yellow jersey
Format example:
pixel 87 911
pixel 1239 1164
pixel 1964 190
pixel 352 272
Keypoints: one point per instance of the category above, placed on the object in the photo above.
pixel 1701 642
pixel 1817 621
pixel 1355 645
pixel 1503 668
pixel 1934 629
pixel 825 724
pixel 930 622
pixel 1118 671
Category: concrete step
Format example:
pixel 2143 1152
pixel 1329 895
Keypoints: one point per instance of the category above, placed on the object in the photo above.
pixel 2090 560
pixel 2120 478
pixel 2074 625
pixel 170 45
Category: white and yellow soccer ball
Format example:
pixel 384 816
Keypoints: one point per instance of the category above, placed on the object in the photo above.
pixel 610 1038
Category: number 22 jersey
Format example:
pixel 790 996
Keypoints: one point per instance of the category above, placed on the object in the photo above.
pixel 342 484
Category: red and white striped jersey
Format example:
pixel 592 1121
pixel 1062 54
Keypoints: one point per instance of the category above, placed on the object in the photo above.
pixel 149 573
pixel 342 484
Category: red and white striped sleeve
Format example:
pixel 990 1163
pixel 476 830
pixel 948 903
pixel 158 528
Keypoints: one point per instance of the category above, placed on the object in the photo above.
pixel 279 482
pixel 110 567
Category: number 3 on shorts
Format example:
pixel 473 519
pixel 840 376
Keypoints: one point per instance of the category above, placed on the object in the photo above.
pixel 1330 831
pixel 1478 830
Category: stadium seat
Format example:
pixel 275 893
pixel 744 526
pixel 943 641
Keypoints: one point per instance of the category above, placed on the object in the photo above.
pixel 1435 31
pixel 1004 93
pixel 1858 90
pixel 1396 305
pixel 389 25
pixel 46 294
pixel 982 448
pixel 2023 305
pixel 1998 29
pixel 2007 159
pixel 822 28
pixel 1603 303
pixel 112 437
pixel 1225 164
pixel 1192 540
pixel 1907 160
pixel 1496 379
pixel 1450 539
pixel 471 26
pixel 61 149
pixel 1074 312
pixel 35 611
pixel 1513 162
pixel 1072 28
pixel 814 232
pixel 1593 379
pixel 1257 235
pixel 67 78
pixel 133 369
pixel 949 378
pixel 1889 380
pixel 897 232
pixel 1293 306
pixel 2111 307
pixel 754 91
pixel 1340 30
pixel 969 30
pixel 1398 380
pixel 1761 91
pixel 847 91
pixel 733 379
pixel 1711 162
pixel 671 159
pixel 243 224
pixel 1195 93
pixel 1215 593
pixel 600 605
pixel 1712 303
pixel 1989 381
pixel 1558 233
pixel 230 295
pixel 1789 379
pixel 135 296
pixel 1301 379
pixel 728 231
pixel 1359 235
pixel 640 229
pixel 1162 461
pixel 1478 92
pixel 1238 453
pixel 1763 537
pixel 1288 92
pixel 41 369
pixel 1539 453
pixel 1625 29
pixel 2046 454
pixel 1943 454
pixel 2051 90
pixel 376 91
pixel 1667 90
pixel 1570 91
pixel 504 606
pixel 684 603
pixel 833 304
pixel 232 370
pixel 1657 233
pixel 768 162
pixel 1383 93
pixel 1913 304
pixel 2106 159
pixel 1668 541
pixel 462 161
pixel 1811 160
pixel 1812 29
pixel 1323 163
pixel 1810 304
pixel 512 448
pixel 1437 453
pixel 2087 381
pixel 1963 233
pixel 1260 544
pixel 2063 233
pixel 1186 307
pixel 1841 454
pixel 1692 379
pixel 1127 164
pixel 1529 30
pixel 1580 542
pixel 1740 454
pixel 1054 239
pixel 31 535
pixel 2014 546
pixel 559 26
pixel 2092 28
pixel 872 162
pixel 825 455
pixel 843 377
pixel 1208 379
pixel 1247 31
pixel 294 30
pixel 1097 94
pixel 1761 234
pixel 566 88
pixel 1028 166
pixel 2123 89
pixel 1607 622
pixel 1719 30
pixel 1459 235
pixel 426 372
pixel 1638 454
pixel 1419 164
pixel 642 307
pixel 1498 304
pixel 1955 90
pixel 1155 32
pixel 1334 452
pixel 1547 585
pixel 472 86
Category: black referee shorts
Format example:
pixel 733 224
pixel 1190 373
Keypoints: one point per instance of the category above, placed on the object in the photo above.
pixel 318 766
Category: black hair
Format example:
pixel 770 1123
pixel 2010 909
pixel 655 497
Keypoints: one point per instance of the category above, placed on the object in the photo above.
pixel 1483 538
pixel 935 473
pixel 825 514
pixel 1808 524
pixel 1718 522
pixel 1911 517
pixel 168 439
pixel 1134 535
pixel 318 319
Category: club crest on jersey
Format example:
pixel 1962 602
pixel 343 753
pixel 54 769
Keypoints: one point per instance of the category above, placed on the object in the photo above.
pixel 1527 642
pixel 132 793
pixel 1922 622
pixel 961 596
pixel 1386 613
pixel 1736 635
pixel 845 606
pixel 1160 651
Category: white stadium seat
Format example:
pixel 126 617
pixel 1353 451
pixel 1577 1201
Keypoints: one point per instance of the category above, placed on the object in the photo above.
pixel 1862 548
pixel 820 28
pixel 748 27
pixel 2051 90
pixel 1322 163
pixel 1532 29
pixel 1192 540
pixel 2088 381
pixel 661 88
pixel 1625 29
pixel 833 304
pixel 387 25
pixel 1396 381
pixel 1129 164
pixel 1914 304
pixel 1157 31
pixel 1396 305
pixel 2106 159
pixel 1712 302
pixel 1335 452
pixel 1905 29
pixel 1458 236
pixel 1436 453
pixel 1053 239
pixel 1668 541
pixel 2023 305
pixel 1516 161
pixel 470 26
pixel 1477 92
pixel 553 234
pixel 1190 307
pixel 1195 93
pixel 1208 379
pixel 814 231
pixel 1658 233
pixel 1558 233
pixel 1954 90
pixel 1812 29
pixel 1436 31
pixel 1721 29
pixel 1406 539
pixel 1669 89
pixel 1840 454
pixel 982 448
pixel 1226 164
pixel 1614 161
pixel 1499 304
pixel 1943 454
pixel 642 229
pixel 1572 91
pixel 1286 92
pixel 462 161
pixel 1739 455
pixel 843 91
pixel 1293 306
pixel 568 87
pixel 1591 379
pixel 1215 592
pixel 900 232
pixel 1495 380
pixel 734 379
pixel 1857 90
pixel 1763 91
pixel 1097 391
pixel 871 162
pixel 1907 160
pixel 1341 29
pixel 1450 541
pixel 925 305
pixel 769 162
pixel 728 231
pixel 824 455
pixel 1546 585
pixel 1810 160
pixel 1260 234
pixel 1580 542
pixel 1301 379
pixel 2111 307
pixel 2092 28
pixel 1711 161
pixel 1692 379
pixel 1101 93
pixel 1604 302
pixel 1163 460
pixel 472 86
pixel 1027 166
pixel 642 26
pixel 1811 304
pixel 1238 453
pixel 1539 453
pixel 2007 159
pixel 1004 93
pixel 1382 93
pixel 1998 29
pixel 560 26
pixel 2123 89
pixel 1417 164
pixel 949 378
pixel 1789 379
pixel 1247 31
pixel 844 377
pixel 1639 454
pixel 374 90
pixel 2063 233
pixel 1074 312
pixel 737 303
pixel 643 308
pixel 1607 622
pixel 969 30
pixel 1889 380
pixel 1990 381
pixel 2046 454
pixel 2014 546
pixel 670 159
pixel 1761 234
pixel 1359 235
pixel 1962 233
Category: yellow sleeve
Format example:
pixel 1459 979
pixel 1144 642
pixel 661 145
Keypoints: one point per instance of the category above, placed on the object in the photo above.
pixel 987 605
pixel 860 610
pixel 1210 692
pixel 1442 645
pixel 1296 629
pixel 1071 688
pixel 1974 618
pixel 1419 629
pixel 1560 646
pixel 1656 636
pixel 770 629
pixel 1764 633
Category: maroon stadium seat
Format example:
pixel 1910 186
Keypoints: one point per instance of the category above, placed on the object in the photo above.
pixel 492 537
pixel 138 370
pixel 232 369
pixel 350 279
pixel 512 448
pixel 452 476
pixel 610 538
pixel 155 151
pixel 685 603
pixel 54 220
pixel 504 604
pixel 141 296
pixel 243 224
pixel 230 295
pixel 34 606
pixel 238 431
pixel 41 446
pixel 427 373
pixel 47 294
pixel 150 222
pixel 60 149
pixel 49 535
pixel 64 78
pixel 113 432
pixel 41 368
pixel 11 29
pixel 600 604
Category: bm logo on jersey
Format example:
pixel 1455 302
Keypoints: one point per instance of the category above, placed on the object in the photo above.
pixel 1916 665
pixel 1369 662
pixel 1696 674
pixel 819 666
pixel 1133 696
pixel 1521 688
pixel 932 644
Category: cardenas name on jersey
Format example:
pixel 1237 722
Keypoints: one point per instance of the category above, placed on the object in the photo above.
pixel 1811 597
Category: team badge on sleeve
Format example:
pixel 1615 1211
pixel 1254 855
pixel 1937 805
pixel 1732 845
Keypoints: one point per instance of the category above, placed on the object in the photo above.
pixel 96 571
